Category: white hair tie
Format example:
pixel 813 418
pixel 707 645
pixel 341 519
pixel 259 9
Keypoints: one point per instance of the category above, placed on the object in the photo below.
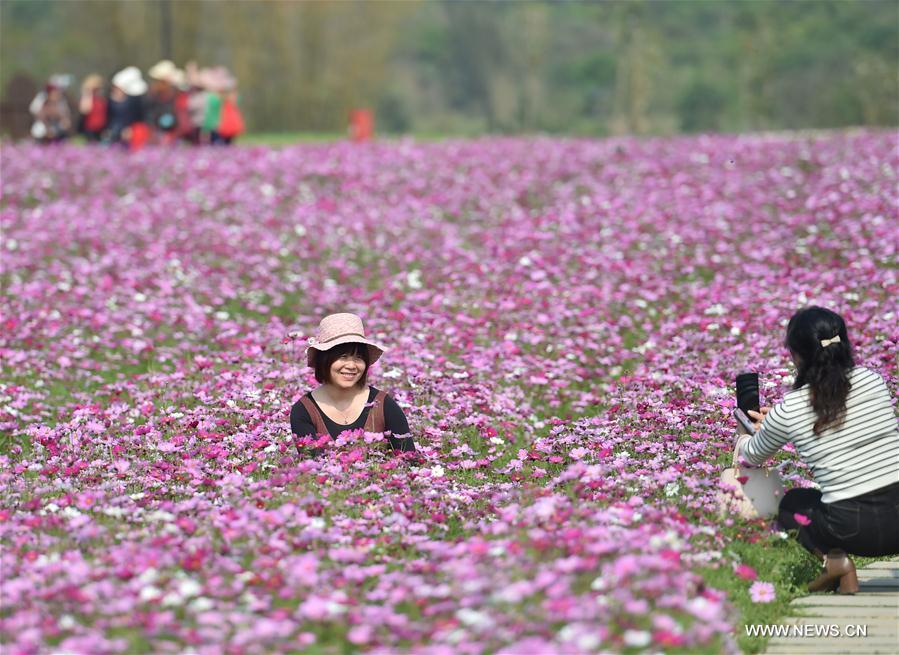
pixel 827 342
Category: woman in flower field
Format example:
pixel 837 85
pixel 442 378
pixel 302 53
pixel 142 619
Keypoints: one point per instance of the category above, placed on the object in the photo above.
pixel 341 356
pixel 841 420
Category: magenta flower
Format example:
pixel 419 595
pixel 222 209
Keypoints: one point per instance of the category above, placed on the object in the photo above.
pixel 745 572
pixel 802 519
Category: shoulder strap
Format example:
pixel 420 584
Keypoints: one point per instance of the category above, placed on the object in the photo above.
pixel 315 415
pixel 375 421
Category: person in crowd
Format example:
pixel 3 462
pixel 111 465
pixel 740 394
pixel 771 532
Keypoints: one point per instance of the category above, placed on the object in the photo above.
pixel 231 123
pixel 196 102
pixel 840 418
pixel 215 82
pixel 92 108
pixel 52 117
pixel 342 356
pixel 183 125
pixel 207 105
pixel 199 106
pixel 160 102
pixel 126 123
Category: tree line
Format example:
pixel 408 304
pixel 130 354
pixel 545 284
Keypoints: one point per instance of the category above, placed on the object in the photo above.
pixel 467 67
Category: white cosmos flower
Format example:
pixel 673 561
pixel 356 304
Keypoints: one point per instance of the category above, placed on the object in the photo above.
pixel 201 604
pixel 148 577
pixel 637 638
pixel 172 599
pixel 189 587
pixel 150 593
pixel 474 618
pixel 67 622
pixel 413 279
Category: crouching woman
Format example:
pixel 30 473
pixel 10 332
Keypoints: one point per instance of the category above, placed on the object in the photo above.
pixel 840 418
pixel 341 356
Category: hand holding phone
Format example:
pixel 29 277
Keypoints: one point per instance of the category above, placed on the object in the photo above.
pixel 745 423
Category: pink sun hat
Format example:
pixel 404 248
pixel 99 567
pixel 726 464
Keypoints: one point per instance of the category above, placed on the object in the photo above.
pixel 336 329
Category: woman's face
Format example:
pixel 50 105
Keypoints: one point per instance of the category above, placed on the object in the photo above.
pixel 346 370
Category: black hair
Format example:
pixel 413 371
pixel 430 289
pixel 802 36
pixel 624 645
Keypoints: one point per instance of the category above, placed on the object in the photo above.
pixel 325 358
pixel 824 368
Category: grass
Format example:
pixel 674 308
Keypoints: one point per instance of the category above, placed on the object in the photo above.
pixel 277 139
pixel 280 139
pixel 288 138
pixel 782 562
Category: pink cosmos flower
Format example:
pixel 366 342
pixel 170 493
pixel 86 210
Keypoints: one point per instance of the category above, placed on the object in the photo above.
pixel 578 453
pixel 802 519
pixel 360 634
pixel 314 608
pixel 762 592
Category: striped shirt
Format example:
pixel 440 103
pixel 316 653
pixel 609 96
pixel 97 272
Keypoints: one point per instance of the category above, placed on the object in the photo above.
pixel 859 456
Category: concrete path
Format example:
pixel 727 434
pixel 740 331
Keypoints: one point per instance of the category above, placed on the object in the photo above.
pixel 864 624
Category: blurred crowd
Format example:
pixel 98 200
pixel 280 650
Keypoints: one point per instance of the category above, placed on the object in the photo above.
pixel 194 105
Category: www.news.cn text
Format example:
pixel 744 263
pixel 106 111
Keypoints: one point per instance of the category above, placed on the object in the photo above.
pixel 820 631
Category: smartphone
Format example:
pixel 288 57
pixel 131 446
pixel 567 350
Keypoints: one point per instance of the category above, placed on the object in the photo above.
pixel 748 392
pixel 744 421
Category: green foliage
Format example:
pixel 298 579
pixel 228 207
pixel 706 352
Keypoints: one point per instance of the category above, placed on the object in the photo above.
pixel 593 69
pixel 644 66
pixel 393 114
pixel 701 106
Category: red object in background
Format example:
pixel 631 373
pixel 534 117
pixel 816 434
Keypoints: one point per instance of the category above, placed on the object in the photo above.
pixel 95 120
pixel 182 115
pixel 362 125
pixel 231 122
pixel 140 134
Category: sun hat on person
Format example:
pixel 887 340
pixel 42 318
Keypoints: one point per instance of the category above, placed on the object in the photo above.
pixel 163 70
pixel 337 329
pixel 130 81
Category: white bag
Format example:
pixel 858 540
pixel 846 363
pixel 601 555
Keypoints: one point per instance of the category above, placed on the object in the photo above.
pixel 38 130
pixel 749 492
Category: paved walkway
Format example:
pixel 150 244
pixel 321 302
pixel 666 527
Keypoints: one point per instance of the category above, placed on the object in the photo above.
pixel 831 623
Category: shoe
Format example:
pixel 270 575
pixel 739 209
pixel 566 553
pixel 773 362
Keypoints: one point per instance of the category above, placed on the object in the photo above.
pixel 839 574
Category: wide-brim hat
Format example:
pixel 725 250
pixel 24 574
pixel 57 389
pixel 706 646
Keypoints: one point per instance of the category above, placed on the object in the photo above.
pixel 337 329
pixel 130 81
pixel 163 70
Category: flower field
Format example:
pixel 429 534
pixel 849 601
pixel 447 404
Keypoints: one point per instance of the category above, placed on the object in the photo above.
pixel 565 319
